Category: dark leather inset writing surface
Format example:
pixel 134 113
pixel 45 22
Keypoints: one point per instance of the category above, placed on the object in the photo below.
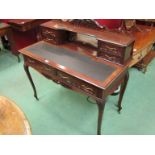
pixel 73 60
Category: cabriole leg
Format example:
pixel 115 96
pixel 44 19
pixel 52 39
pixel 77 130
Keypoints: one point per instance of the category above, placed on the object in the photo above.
pixel 26 68
pixel 122 90
pixel 101 105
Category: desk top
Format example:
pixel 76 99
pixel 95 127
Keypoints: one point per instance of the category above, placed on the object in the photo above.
pixel 73 60
pixel 93 70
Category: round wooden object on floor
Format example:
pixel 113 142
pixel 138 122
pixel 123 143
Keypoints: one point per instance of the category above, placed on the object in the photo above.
pixel 12 119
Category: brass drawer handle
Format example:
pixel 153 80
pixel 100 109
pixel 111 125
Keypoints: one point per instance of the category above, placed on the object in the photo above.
pixel 110 57
pixel 49 33
pixel 87 89
pixel 65 78
pixel 49 39
pixel 51 70
pixel 52 35
pixel 141 55
pixel 111 48
pixel 47 69
pixel 31 61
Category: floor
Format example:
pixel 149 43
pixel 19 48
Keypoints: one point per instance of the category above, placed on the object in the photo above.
pixel 63 112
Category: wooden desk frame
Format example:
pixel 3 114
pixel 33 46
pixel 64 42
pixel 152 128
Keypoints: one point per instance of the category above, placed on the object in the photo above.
pixel 120 77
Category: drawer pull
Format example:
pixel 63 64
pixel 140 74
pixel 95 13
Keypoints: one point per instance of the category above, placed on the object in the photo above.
pixel 49 33
pixel 51 70
pixel 48 69
pixel 140 57
pixel 87 89
pixel 65 78
pixel 49 39
pixel 31 61
pixel 111 48
pixel 111 58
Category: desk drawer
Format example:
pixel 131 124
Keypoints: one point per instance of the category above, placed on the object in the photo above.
pixel 110 49
pixel 49 35
pixel 77 83
pixel 115 53
pixel 41 67
pixel 111 58
pixel 54 36
pixel 63 78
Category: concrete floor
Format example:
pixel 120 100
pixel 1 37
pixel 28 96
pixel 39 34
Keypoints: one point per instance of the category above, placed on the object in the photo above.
pixel 63 112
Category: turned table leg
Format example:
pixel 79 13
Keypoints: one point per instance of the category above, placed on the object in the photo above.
pixel 122 90
pixel 26 68
pixel 101 105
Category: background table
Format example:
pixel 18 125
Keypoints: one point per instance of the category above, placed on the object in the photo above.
pixel 12 119
pixel 144 41
pixel 24 32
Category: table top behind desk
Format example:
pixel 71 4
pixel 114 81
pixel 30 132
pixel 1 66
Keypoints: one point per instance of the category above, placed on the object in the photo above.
pixel 25 24
pixel 144 40
pixel 24 32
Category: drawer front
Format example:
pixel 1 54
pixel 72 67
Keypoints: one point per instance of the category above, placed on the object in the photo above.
pixel 88 88
pixel 50 35
pixel 111 49
pixel 54 36
pixel 63 78
pixel 41 67
pixel 76 83
pixel 67 79
pixel 112 58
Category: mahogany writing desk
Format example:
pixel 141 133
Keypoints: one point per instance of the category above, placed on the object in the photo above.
pixel 68 65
